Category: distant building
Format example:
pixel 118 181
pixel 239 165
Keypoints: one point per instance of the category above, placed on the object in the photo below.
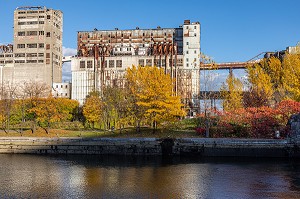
pixel 62 90
pixel 104 55
pixel 36 54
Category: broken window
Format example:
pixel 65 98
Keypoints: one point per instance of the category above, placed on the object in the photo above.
pixel 141 62
pixel 111 63
pixel 149 62
pixel 119 63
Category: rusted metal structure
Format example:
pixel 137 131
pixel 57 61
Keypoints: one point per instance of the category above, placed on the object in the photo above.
pixel 103 56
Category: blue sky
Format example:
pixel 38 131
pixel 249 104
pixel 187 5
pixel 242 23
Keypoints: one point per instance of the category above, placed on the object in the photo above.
pixel 231 30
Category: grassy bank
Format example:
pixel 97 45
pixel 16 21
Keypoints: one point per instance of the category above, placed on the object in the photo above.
pixel 128 132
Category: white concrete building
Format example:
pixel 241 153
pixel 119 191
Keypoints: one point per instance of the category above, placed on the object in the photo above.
pixel 36 54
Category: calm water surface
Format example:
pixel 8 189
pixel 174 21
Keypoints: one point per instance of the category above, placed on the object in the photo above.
pixel 33 176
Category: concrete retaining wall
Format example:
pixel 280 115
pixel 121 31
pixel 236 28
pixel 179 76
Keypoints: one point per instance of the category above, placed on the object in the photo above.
pixel 152 146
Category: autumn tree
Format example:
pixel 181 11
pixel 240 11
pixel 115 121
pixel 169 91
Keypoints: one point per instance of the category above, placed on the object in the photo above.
pixel 49 110
pixel 232 93
pixel 291 76
pixel 115 106
pixel 260 86
pixel 153 93
pixel 92 108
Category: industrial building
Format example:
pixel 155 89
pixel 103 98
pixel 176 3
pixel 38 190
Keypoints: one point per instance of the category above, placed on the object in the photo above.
pixel 103 56
pixel 36 52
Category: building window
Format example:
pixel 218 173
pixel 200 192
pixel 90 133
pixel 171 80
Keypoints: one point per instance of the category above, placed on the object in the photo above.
pixel 187 52
pixel 187 43
pixel 48 34
pixel 41 33
pixel 187 27
pixel 141 62
pixel 20 55
pixel 32 22
pixel 195 59
pixel 19 61
pixel 41 45
pixel 187 59
pixel 47 46
pixel 66 86
pixel 195 34
pixel 195 51
pixel 195 27
pixel 31 61
pixel 41 54
pixel 21 46
pixel 148 62
pixel 105 63
pixel 48 17
pixel 31 45
pixel 41 22
pixel 31 54
pixel 42 16
pixel 89 64
pixel 47 61
pixel 111 63
pixel 119 63
pixel 82 64
pixel 41 61
pixel 47 55
pixel 21 23
pixel 31 33
pixel 21 33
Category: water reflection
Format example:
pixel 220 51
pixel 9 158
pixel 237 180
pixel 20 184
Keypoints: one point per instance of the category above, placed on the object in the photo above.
pixel 30 176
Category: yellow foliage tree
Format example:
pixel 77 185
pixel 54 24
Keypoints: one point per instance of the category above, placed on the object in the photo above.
pixel 152 90
pixel 291 77
pixel 49 110
pixel 261 86
pixel 92 109
pixel 232 93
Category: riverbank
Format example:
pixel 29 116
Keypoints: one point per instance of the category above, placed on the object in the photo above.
pixel 204 147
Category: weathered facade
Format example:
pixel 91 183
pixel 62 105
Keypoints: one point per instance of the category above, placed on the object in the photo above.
pixel 104 55
pixel 36 54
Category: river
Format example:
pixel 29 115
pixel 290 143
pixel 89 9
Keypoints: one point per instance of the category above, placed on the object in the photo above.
pixel 72 176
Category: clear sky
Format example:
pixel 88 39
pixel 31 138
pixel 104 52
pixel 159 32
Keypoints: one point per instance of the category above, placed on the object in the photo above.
pixel 231 30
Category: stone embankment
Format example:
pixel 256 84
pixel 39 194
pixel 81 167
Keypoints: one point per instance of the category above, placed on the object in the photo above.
pixel 221 147
pixel 153 146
